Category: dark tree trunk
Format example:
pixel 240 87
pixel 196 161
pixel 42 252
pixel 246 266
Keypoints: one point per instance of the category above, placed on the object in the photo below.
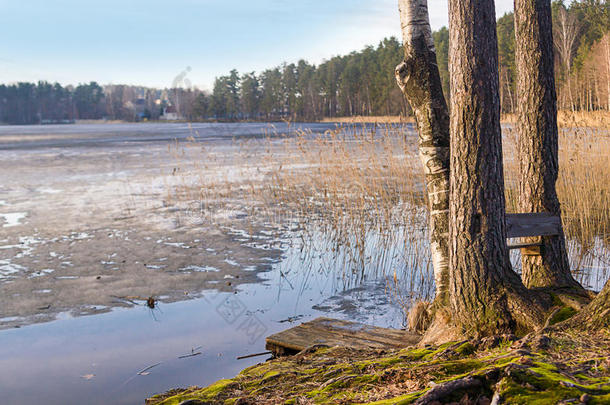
pixel 537 145
pixel 596 315
pixel 419 80
pixel 486 295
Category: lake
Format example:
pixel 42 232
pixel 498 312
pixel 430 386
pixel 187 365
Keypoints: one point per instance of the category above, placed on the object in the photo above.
pixel 89 229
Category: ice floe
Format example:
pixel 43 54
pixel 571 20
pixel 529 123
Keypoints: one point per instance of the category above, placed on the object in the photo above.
pixel 201 269
pixel 7 268
pixel 41 273
pixel 13 218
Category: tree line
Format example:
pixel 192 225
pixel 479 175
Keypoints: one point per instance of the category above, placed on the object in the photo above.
pixel 43 102
pixel 361 83
pixel 581 39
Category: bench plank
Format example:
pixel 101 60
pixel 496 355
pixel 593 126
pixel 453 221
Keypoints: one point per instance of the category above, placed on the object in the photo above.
pixel 528 225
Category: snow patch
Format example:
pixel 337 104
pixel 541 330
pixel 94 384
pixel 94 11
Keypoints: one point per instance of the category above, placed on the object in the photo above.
pixel 49 190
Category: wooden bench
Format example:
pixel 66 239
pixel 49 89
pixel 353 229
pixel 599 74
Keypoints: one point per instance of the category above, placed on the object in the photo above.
pixel 531 225
pixel 335 332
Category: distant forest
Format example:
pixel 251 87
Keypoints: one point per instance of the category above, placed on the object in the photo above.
pixel 361 83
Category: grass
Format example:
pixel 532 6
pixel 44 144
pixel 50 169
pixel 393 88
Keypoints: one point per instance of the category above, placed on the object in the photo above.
pixel 566 119
pixel 578 119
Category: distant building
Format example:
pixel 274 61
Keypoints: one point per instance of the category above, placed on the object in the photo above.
pixel 170 114
pixel 141 109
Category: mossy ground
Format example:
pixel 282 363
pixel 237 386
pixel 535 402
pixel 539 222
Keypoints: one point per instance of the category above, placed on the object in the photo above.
pixel 533 370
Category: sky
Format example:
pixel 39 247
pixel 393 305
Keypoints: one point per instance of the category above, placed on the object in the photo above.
pixel 151 42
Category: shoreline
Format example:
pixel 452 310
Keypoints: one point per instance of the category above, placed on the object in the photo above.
pixel 594 119
pixel 560 367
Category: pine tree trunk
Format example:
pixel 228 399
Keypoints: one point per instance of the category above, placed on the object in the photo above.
pixel 538 138
pixel 419 80
pixel 486 295
pixel 594 316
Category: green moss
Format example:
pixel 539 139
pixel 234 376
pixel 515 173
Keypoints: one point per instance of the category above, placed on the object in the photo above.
pixel 338 375
pixel 206 394
pixel 380 363
pixel 414 354
pixel 465 349
pixel 556 301
pixel 271 374
pixel 401 400
pixel 561 315
pixel 514 390
pixel 459 367
pixel 601 399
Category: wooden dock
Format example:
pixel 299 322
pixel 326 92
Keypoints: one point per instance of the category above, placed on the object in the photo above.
pixel 334 332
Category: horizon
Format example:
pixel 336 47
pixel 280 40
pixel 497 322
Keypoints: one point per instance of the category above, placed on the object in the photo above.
pixel 150 44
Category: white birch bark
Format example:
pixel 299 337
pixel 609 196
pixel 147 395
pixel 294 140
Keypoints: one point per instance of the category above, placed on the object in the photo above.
pixel 419 79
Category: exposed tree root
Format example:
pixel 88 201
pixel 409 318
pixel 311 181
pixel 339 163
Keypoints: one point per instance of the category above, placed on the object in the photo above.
pixel 444 390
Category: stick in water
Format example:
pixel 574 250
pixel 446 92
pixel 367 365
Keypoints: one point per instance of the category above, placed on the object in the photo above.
pixel 253 355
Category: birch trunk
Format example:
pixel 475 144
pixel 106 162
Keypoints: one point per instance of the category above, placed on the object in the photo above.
pixel 538 139
pixel 420 82
pixel 486 296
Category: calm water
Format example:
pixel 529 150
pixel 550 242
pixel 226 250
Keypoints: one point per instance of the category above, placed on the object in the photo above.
pixel 96 359
pixel 65 180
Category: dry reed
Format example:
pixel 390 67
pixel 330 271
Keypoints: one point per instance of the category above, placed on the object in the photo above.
pixel 356 194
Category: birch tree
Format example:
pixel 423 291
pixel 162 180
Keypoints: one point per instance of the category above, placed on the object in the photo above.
pixel 419 79
pixel 566 33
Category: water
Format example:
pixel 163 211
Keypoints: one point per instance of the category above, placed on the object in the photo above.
pixel 97 232
pixel 96 359
pixel 109 135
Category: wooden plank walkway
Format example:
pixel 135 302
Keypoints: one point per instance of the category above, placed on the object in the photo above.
pixel 334 332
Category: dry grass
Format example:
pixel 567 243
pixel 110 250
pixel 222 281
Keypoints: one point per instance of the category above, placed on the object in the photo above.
pixel 569 119
pixel 583 188
pixel 361 188
pixel 356 196
pixel 358 185
pixel 360 119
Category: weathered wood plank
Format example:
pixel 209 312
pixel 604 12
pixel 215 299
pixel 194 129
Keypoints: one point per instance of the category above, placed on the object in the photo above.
pixel 528 225
pixel 524 245
pixel 334 332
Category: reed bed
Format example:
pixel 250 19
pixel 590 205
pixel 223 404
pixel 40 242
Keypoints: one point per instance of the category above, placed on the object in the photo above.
pixel 383 119
pixel 583 188
pixel 361 187
pixel 355 197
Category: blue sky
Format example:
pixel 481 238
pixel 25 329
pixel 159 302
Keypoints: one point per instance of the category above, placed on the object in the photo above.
pixel 150 42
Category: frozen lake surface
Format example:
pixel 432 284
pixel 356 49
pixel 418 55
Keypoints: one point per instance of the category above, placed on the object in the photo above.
pixel 88 231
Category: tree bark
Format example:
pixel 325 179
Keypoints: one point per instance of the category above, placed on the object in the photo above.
pixel 594 316
pixel 538 139
pixel 419 79
pixel 485 294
